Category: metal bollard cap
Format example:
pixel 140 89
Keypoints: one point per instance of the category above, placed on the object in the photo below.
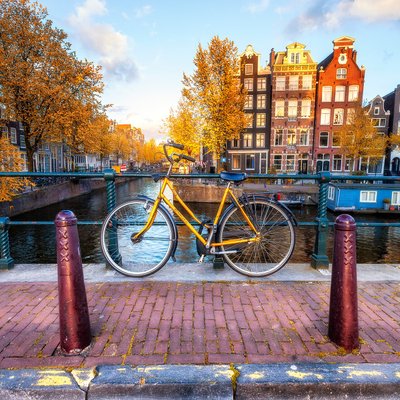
pixel 345 222
pixel 65 218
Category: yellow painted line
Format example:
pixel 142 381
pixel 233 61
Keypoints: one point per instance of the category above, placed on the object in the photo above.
pixel 83 377
pixel 364 373
pixel 54 378
pixel 302 375
pixel 256 375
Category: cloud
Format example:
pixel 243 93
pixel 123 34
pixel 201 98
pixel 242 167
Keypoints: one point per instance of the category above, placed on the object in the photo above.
pixel 143 11
pixel 331 13
pixel 111 46
pixel 258 6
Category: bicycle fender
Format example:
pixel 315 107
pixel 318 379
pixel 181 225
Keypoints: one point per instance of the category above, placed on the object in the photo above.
pixel 171 218
pixel 277 203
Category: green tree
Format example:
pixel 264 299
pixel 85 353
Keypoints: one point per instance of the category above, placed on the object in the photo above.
pixel 43 84
pixel 215 95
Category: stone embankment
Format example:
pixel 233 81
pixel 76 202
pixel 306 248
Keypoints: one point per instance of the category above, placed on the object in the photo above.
pixel 41 197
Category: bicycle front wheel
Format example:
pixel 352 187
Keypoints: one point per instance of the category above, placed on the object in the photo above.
pixel 137 257
pixel 272 249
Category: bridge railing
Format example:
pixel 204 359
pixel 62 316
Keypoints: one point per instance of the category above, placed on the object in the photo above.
pixel 319 258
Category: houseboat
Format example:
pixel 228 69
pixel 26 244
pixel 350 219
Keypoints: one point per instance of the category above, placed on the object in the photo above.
pixel 364 198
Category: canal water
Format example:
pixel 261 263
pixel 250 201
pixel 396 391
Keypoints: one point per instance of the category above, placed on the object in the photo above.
pixel 36 243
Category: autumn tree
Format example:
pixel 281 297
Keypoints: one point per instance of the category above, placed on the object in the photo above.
pixel 359 139
pixel 214 94
pixel 10 160
pixel 150 152
pixel 43 84
pixel 182 127
pixel 121 146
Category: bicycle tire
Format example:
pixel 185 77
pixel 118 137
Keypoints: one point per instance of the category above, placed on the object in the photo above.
pixel 276 242
pixel 146 255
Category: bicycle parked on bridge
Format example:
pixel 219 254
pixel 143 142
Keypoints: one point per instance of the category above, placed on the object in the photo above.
pixel 254 234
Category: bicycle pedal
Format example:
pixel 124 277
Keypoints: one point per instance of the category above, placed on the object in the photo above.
pixel 201 259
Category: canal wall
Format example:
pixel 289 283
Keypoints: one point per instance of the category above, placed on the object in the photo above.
pixel 211 193
pixel 41 197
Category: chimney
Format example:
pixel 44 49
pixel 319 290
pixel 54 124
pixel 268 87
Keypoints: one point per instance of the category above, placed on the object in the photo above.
pixel 272 58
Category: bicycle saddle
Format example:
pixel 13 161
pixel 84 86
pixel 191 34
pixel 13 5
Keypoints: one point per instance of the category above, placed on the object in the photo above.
pixel 233 176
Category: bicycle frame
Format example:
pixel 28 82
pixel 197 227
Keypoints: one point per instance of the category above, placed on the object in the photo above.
pixel 228 192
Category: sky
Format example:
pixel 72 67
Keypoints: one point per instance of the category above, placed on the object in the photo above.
pixel 144 47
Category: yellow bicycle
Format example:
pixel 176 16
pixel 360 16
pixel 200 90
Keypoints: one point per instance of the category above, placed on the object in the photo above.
pixel 254 234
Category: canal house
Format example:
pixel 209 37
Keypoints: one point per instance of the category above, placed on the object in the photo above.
pixel 364 198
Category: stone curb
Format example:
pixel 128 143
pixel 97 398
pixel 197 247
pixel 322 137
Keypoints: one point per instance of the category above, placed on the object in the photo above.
pixel 245 381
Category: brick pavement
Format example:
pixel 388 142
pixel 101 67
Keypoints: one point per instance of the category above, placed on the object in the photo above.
pixel 198 323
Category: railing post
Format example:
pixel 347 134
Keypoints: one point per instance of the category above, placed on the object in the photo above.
pixel 6 261
pixel 109 176
pixel 319 258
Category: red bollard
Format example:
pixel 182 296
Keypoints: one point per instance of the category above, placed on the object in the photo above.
pixel 74 314
pixel 343 309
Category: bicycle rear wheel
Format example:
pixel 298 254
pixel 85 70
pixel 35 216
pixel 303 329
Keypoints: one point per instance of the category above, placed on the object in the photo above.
pixel 274 246
pixel 137 257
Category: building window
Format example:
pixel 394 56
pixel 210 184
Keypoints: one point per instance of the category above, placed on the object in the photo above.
pixel 348 164
pixel 395 199
pixel 261 83
pixel 235 143
pixel 278 137
pixel 13 135
pixel 303 137
pixel 250 161
pixel 261 118
pixel 350 115
pixel 247 140
pixel 295 58
pixel 335 139
pixel 353 92
pixel 291 137
pixel 376 110
pixel 307 82
pixel 368 196
pixel 340 93
pixel 260 140
pixel 280 83
pixel 249 121
pixel 248 69
pixel 337 163
pixel 279 108
pixel 248 104
pixel 306 108
pixel 341 73
pixel 22 141
pixel 248 83
pixel 292 108
pixel 379 122
pixel 235 161
pixel 261 101
pixel 326 93
pixel 338 116
pixel 325 116
pixel 323 139
pixel 331 193
pixel 293 82
pixel 278 162
pixel 290 162
pixel 4 132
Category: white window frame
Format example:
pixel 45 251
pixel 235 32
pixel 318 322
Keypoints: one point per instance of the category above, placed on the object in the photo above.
pixel 236 157
pixel 325 116
pixel 292 107
pixel 248 104
pixel 277 157
pixel 395 201
pixel 290 166
pixel 304 133
pixel 260 139
pixel 261 84
pixel 327 139
pixel 280 108
pixel 291 137
pixel 293 82
pixel 248 84
pixel 261 100
pixel 247 140
pixel 280 83
pixel 306 108
pixel 368 196
pixel 326 93
pixel 278 134
pixel 340 93
pixel 338 116
pixel 13 135
pixel 337 159
pixel 353 92
pixel 341 73
pixel 306 83
pixel 253 157
pixel 261 120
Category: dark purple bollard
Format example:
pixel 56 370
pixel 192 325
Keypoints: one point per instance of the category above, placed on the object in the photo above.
pixel 343 309
pixel 74 315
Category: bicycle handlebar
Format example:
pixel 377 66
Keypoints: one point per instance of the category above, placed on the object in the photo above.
pixel 181 156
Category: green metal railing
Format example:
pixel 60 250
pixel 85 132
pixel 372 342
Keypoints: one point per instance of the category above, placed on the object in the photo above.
pixel 319 258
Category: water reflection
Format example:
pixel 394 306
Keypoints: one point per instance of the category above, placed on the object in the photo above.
pixel 36 243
